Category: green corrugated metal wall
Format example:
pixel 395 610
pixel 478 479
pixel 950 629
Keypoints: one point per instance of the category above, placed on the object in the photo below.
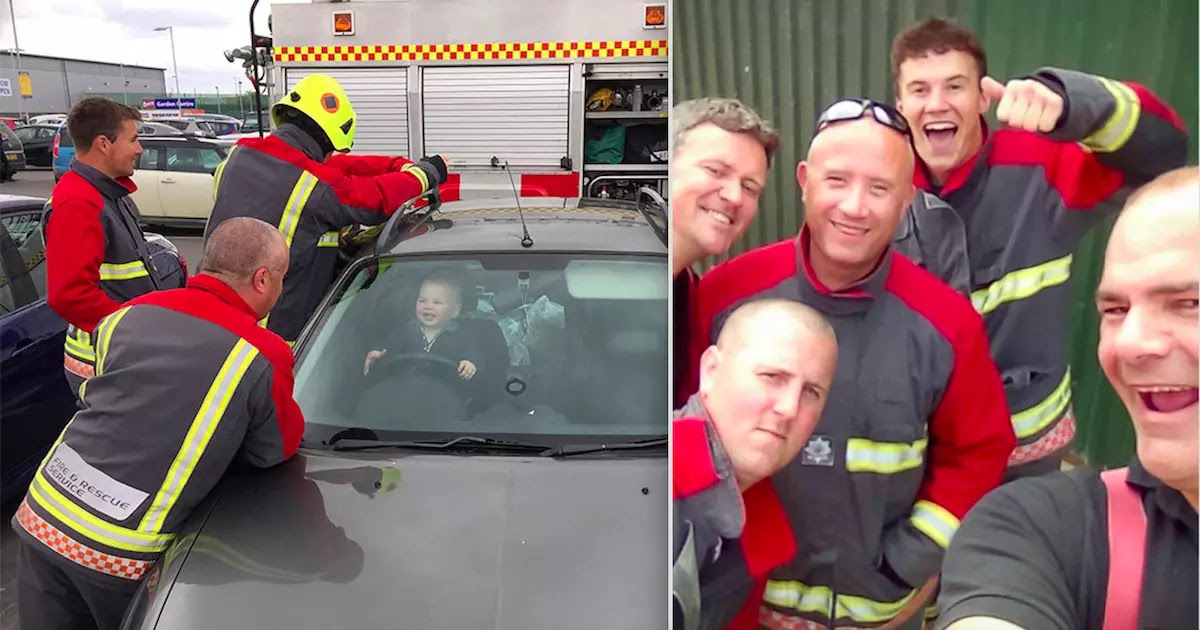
pixel 786 58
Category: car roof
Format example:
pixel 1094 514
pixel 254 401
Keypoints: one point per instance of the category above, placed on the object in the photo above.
pixel 181 139
pixel 558 224
pixel 10 203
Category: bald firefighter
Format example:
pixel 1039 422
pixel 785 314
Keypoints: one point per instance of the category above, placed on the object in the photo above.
pixel 300 180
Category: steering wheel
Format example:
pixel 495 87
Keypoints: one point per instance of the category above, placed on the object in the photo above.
pixel 423 362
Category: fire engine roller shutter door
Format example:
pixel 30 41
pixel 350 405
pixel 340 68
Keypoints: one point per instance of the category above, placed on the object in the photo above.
pixel 515 113
pixel 380 99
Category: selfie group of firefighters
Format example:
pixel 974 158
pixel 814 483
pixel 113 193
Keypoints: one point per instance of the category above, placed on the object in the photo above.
pixel 119 483
pixel 872 415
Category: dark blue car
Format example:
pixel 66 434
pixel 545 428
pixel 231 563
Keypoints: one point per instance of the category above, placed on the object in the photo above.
pixel 35 402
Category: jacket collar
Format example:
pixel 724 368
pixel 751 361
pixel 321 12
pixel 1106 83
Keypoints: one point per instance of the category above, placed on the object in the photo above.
pixel 854 299
pixel 295 137
pixel 962 174
pixel 224 292
pixel 1166 499
pixel 111 188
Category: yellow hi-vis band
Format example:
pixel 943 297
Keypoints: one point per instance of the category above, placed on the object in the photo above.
pixel 79 345
pixel 104 332
pixel 419 173
pixel 1021 284
pixel 1042 415
pixel 798 596
pixel 216 549
pixel 295 205
pixel 1117 130
pixel 204 424
pixel 123 271
pixel 328 239
pixel 935 522
pixel 217 174
pixel 885 458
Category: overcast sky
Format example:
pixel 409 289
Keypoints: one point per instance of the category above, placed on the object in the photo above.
pixel 203 30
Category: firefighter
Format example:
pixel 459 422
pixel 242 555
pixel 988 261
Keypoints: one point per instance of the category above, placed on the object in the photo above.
pixel 96 253
pixel 186 381
pixel 1073 147
pixel 721 151
pixel 728 440
pixel 300 180
pixel 915 429
pixel 1078 549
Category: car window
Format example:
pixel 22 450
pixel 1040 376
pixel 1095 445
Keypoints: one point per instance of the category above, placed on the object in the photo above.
pixel 566 348
pixel 149 159
pixel 45 132
pixel 24 230
pixel 192 159
pixel 64 138
pixel 181 125
pixel 26 133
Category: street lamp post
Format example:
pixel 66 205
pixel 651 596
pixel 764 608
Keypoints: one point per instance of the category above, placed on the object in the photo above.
pixel 218 98
pixel 12 12
pixel 241 105
pixel 171 31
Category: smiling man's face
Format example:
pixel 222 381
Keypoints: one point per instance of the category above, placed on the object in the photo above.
pixel 941 97
pixel 856 182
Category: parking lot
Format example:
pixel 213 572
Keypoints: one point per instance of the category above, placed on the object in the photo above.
pixel 38 182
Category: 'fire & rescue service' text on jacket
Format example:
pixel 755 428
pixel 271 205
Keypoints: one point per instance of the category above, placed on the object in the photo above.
pixel 284 180
pixel 96 258
pixel 1026 201
pixel 914 431
pixel 186 381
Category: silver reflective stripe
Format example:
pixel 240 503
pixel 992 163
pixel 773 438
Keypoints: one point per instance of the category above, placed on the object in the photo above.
pixel 82 522
pixel 295 205
pixel 123 271
pixel 864 455
pixel 203 426
pixel 1127 109
pixel 934 521
pixel 328 239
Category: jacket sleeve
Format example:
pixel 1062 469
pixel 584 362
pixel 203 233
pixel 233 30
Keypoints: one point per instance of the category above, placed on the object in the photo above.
pixel 366 165
pixel 276 422
pixel 74 252
pixel 367 200
pixel 970 440
pixel 1128 137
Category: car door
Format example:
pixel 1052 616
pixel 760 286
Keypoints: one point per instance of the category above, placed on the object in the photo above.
pixel 146 177
pixel 37 403
pixel 186 187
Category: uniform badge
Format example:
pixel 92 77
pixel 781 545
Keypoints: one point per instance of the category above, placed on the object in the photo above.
pixel 818 452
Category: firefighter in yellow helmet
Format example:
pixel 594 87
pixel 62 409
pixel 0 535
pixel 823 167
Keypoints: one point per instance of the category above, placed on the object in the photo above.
pixel 302 180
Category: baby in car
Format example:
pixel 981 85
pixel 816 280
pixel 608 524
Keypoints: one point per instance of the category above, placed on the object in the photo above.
pixel 433 328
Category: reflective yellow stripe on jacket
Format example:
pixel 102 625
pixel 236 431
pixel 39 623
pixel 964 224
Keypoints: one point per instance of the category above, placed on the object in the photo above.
pixel 934 521
pixel 217 173
pixel 1040 416
pixel 79 345
pixel 1120 126
pixel 123 271
pixel 798 596
pixel 1021 284
pixel 328 239
pixel 204 424
pixel 884 458
pixel 295 205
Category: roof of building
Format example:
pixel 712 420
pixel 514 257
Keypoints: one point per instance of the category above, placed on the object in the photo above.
pixel 11 52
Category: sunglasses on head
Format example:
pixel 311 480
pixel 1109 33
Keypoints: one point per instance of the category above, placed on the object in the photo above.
pixel 846 109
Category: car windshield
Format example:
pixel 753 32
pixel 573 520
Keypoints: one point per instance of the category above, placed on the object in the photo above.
pixel 563 348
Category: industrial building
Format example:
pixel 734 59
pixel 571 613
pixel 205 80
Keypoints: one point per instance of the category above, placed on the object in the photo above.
pixel 56 83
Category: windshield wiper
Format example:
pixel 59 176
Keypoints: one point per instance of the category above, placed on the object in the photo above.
pixel 464 442
pixel 566 450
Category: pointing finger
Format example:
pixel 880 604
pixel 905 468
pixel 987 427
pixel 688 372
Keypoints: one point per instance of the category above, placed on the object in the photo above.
pixel 992 89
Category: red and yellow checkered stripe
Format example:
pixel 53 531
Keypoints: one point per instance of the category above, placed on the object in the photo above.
pixel 475 52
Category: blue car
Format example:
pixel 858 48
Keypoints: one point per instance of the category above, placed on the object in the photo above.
pixel 63 152
pixel 36 403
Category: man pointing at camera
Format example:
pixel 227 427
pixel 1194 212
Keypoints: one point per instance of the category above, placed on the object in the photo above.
pixel 1072 148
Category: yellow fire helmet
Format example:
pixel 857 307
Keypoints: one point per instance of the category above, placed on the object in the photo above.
pixel 321 98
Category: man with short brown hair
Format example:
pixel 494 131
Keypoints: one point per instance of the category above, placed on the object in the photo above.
pixel 96 253
pixel 1074 146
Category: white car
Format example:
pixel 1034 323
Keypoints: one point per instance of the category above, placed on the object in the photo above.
pixel 174 178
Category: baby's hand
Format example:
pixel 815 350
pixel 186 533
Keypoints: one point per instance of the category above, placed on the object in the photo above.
pixel 372 357
pixel 466 370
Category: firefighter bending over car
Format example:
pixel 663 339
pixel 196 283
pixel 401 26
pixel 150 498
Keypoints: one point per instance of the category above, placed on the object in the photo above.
pixel 300 180
pixel 186 382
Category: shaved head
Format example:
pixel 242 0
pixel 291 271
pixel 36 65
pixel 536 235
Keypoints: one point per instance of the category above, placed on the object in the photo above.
pixel 828 136
pixel 251 256
pixel 765 382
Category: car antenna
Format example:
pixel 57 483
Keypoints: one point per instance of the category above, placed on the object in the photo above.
pixel 526 240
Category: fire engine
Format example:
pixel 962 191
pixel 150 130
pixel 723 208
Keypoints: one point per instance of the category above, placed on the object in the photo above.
pixel 559 97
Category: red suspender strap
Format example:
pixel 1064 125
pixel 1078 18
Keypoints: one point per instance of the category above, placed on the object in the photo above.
pixel 1126 551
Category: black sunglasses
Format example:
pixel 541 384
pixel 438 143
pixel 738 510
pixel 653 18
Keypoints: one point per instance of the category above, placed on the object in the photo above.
pixel 846 109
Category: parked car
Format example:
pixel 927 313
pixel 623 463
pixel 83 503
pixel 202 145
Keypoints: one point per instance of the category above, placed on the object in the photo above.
pixel 174 177
pixel 63 151
pixel 48 119
pixel 37 403
pixel 11 123
pixel 38 140
pixel 189 126
pixel 538 486
pixel 14 153
pixel 151 128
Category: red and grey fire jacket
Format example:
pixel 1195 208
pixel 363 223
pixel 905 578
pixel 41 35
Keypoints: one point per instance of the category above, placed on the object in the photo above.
pixel 1026 201
pixel 186 381
pixel 915 430
pixel 284 179
pixel 96 258
pixel 726 542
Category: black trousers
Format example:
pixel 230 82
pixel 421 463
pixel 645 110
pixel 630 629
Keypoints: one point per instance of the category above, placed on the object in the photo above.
pixel 50 597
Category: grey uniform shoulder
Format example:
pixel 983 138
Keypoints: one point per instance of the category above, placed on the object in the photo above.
pixel 934 236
